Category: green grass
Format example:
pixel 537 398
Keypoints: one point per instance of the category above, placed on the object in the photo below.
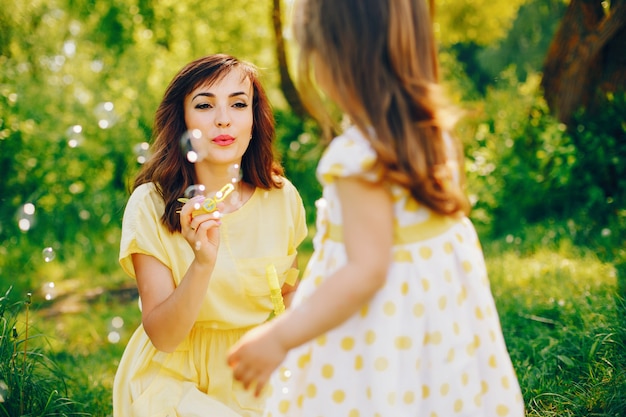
pixel 559 307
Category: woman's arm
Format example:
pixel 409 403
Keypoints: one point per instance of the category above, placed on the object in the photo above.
pixel 168 311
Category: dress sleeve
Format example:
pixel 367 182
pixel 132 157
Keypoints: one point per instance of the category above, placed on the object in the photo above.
pixel 141 228
pixel 348 155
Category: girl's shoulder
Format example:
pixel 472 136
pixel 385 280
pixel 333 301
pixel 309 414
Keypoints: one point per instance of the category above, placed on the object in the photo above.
pixel 348 155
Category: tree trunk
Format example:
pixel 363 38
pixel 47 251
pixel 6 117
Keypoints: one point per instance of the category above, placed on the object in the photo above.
pixel 286 83
pixel 585 57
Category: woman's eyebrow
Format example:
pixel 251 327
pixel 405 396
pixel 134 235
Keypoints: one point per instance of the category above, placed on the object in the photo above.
pixel 207 94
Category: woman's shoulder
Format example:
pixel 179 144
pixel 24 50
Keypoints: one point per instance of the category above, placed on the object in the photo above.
pixel 146 194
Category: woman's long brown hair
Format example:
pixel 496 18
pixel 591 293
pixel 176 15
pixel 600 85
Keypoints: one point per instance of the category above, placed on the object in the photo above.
pixel 169 169
pixel 381 59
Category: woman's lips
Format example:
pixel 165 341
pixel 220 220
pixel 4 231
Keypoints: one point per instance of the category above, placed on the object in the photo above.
pixel 223 140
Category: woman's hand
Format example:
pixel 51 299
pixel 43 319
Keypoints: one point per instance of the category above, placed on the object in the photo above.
pixel 201 230
pixel 255 356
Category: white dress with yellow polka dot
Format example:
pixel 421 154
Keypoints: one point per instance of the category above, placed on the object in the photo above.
pixel 428 344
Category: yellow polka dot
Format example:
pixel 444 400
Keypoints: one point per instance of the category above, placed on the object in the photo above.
pixel 433 414
pixel 426 252
pixel 404 289
pixel 283 406
pixel 318 281
pixel 425 284
pixel 368 393
pixel 467 266
pixel 409 397
pixel 450 357
pixel 484 387
pixel 459 238
pixel 284 374
pixel 370 337
pixel 479 313
pixel 492 361
pixel 443 301
pixel 300 401
pixel 425 391
pixel 391 398
pixel 402 256
pixel 303 360
pixel 328 371
pixel 380 364
pixel 492 335
pixel 445 389
pixel 321 340
pixel 458 406
pixel 418 364
pixel 471 348
pixel 464 378
pixel 354 413
pixel 447 247
pixel 418 310
pixel 358 362
pixel 389 308
pixel 311 391
pixel 339 396
pixel 462 296
pixel 432 338
pixel 489 311
pixel 456 328
pixel 364 311
pixel 447 275
pixel 478 400
pixel 347 343
pixel 505 382
pixel 403 342
pixel 502 410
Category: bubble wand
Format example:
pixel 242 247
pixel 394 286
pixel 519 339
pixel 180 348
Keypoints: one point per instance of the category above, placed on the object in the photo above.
pixel 209 205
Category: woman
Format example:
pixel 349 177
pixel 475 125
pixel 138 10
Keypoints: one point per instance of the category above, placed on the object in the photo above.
pixel 201 274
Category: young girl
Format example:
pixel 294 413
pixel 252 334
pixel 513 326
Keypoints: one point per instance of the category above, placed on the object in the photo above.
pixel 202 277
pixel 394 316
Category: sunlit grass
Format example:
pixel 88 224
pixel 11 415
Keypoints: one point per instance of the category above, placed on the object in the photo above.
pixel 558 305
pixel 563 323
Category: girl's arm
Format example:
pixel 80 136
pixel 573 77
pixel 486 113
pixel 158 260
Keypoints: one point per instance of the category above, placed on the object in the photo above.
pixel 169 312
pixel 367 213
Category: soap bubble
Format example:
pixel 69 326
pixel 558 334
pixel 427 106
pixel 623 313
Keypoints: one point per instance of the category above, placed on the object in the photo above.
pixel 194 191
pixel 115 329
pixel 49 291
pixel 105 114
pixel 26 217
pixel 194 145
pixel 235 173
pixel 74 136
pixel 48 254
pixel 142 150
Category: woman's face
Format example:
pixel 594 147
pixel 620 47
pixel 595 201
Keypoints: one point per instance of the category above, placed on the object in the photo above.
pixel 222 112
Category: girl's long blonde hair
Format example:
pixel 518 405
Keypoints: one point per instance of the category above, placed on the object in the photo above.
pixel 381 59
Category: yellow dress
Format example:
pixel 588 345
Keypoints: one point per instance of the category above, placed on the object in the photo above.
pixel 195 380
pixel 428 344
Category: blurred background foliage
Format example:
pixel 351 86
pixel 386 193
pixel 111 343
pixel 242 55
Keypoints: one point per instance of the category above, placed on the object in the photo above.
pixel 80 81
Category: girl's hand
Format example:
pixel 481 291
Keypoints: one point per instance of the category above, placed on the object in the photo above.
pixel 255 356
pixel 201 231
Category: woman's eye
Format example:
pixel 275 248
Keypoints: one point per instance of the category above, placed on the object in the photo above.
pixel 240 105
pixel 203 106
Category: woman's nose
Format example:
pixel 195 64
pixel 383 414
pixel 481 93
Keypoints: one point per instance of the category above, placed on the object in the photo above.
pixel 222 118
